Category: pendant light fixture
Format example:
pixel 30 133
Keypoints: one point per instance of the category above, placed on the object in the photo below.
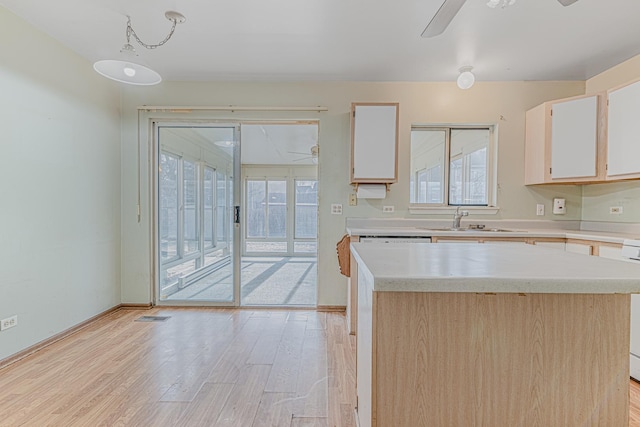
pixel 466 79
pixel 128 68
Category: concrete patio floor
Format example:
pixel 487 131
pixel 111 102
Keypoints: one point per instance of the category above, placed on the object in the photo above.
pixel 273 281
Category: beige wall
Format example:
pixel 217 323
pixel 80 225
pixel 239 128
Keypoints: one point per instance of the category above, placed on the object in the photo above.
pixel 615 76
pixel 597 199
pixel 60 187
pixel 503 104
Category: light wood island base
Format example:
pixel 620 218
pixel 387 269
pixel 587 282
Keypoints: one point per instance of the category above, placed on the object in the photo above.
pixel 469 359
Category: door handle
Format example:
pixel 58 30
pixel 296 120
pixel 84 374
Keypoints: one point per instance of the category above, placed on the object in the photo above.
pixel 236 214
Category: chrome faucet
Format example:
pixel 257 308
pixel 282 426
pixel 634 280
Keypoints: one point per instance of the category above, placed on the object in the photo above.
pixel 457 217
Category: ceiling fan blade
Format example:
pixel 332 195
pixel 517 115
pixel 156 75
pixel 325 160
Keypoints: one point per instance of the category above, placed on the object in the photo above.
pixel 567 2
pixel 443 17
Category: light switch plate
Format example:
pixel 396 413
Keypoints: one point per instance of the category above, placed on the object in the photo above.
pixel 540 209
pixel 336 209
pixel 353 199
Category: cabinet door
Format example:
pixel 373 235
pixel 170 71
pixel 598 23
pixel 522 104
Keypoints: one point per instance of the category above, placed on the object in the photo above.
pixel 611 252
pixel 623 138
pixel 578 248
pixel 374 143
pixel 554 245
pixel 574 138
pixel 564 141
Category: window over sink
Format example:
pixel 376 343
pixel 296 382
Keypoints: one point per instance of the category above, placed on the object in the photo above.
pixel 452 166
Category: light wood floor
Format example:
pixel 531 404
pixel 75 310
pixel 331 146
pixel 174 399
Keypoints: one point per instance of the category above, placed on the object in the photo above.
pixel 634 404
pixel 201 367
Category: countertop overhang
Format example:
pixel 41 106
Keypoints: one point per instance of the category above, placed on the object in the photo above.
pixel 491 268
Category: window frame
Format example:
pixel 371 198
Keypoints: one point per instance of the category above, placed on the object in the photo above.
pixel 220 212
pixel 207 168
pixel 198 205
pixel 291 175
pixel 492 154
pixel 296 212
pixel 179 250
pixel 266 237
pixel 199 255
pixel 417 181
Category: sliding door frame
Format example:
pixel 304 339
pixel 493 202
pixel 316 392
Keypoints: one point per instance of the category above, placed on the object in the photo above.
pixel 155 125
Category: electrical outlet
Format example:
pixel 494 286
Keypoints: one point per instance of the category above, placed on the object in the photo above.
pixel 540 210
pixel 353 199
pixel 388 209
pixel 336 209
pixel 615 210
pixel 9 322
pixel 559 206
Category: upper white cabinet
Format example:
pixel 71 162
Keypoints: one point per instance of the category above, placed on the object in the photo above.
pixel 623 148
pixel 574 138
pixel 374 143
pixel 563 141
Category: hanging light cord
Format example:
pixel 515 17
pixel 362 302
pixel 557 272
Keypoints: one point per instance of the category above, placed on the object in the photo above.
pixel 130 32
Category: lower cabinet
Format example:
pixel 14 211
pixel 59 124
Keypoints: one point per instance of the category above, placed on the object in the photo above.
pixel 611 252
pixel 442 359
pixel 579 248
pixel 554 245
pixel 595 248
pixel 477 240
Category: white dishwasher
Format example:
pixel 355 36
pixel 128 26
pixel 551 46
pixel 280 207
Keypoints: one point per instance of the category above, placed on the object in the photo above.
pixel 631 252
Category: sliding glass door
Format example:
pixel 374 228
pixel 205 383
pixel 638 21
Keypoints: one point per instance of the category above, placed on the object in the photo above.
pixel 197 259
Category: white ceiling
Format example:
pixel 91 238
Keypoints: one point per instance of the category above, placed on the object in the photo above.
pixel 364 40
pixel 260 144
pixel 278 144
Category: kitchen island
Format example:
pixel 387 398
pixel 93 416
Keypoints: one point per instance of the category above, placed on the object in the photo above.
pixel 598 239
pixel 491 335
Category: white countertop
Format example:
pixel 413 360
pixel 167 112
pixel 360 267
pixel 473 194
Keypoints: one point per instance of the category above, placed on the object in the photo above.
pixel 491 268
pixel 599 236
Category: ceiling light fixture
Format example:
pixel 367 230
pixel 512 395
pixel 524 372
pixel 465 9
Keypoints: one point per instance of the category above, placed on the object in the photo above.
pixel 466 79
pixel 502 3
pixel 224 144
pixel 127 68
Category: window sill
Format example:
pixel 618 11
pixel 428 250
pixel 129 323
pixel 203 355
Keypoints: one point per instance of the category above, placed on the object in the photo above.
pixel 450 210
